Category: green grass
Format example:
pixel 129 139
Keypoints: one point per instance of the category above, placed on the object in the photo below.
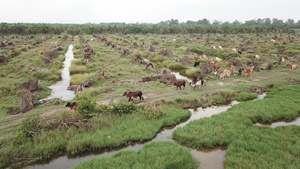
pixel 155 155
pixel 244 96
pixel 251 146
pixel 103 133
pixel 122 74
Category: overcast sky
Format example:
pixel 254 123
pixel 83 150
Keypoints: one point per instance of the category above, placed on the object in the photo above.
pixel 150 11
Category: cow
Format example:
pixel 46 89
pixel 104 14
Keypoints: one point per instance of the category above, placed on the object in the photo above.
pixel 73 106
pixel 179 84
pixel 197 63
pixel 222 75
pixel 41 53
pixel 149 65
pixel 133 95
pixel 240 71
pixel 218 59
pixel 197 84
pixel 232 69
pixel 293 67
pixel 249 72
pixel 216 67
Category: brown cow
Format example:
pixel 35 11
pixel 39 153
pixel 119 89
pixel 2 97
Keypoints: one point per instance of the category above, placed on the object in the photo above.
pixel 249 72
pixel 232 69
pixel 133 95
pixel 216 67
pixel 179 84
pixel 293 67
pixel 41 53
pixel 73 106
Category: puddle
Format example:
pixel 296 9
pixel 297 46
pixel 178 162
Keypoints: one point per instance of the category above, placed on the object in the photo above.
pixel 60 89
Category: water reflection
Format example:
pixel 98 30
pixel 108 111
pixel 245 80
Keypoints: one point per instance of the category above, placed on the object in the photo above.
pixel 210 158
pixel 60 89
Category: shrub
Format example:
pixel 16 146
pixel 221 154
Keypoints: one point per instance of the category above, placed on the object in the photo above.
pixel 29 127
pixel 123 108
pixel 193 72
pixel 153 111
pixel 198 50
pixel 87 105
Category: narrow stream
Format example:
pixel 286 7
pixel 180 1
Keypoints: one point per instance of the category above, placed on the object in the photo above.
pixel 282 123
pixel 212 158
pixel 60 89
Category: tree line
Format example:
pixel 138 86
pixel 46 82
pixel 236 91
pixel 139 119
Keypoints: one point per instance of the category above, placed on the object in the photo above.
pixel 172 26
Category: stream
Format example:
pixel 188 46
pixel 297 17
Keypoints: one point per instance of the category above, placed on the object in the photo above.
pixel 210 158
pixel 60 89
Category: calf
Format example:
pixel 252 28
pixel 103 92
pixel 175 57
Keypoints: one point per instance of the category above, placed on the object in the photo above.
pixel 73 106
pixel 133 95
pixel 293 67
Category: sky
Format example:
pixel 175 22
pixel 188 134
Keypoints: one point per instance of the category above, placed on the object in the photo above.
pixel 138 11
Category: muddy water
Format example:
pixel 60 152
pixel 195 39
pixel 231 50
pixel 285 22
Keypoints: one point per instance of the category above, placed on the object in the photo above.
pixel 212 158
pixel 282 123
pixel 60 89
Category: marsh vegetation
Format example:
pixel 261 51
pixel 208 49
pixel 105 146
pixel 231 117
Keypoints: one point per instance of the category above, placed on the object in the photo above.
pixel 108 64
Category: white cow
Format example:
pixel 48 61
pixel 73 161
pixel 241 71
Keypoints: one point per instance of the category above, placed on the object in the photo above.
pixel 218 59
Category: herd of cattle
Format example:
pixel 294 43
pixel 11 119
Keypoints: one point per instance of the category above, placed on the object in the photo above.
pixel 196 83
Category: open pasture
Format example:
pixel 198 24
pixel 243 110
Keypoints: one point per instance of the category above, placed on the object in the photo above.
pixel 122 59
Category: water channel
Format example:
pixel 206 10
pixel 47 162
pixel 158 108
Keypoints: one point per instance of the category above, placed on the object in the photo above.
pixel 60 89
pixel 212 158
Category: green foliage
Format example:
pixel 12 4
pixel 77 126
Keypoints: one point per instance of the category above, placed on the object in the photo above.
pixel 77 69
pixel 193 72
pixel 218 99
pixel 123 108
pixel 159 58
pixel 198 50
pixel 52 75
pixel 87 105
pixel 153 111
pixel 29 127
pixel 244 96
pixel 155 155
pixel 250 145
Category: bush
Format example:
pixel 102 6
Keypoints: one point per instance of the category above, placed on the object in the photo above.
pixel 123 108
pixel 193 72
pixel 153 111
pixel 29 127
pixel 198 50
pixel 87 106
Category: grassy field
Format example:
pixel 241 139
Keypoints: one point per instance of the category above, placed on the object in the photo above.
pixel 123 74
pixel 248 145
